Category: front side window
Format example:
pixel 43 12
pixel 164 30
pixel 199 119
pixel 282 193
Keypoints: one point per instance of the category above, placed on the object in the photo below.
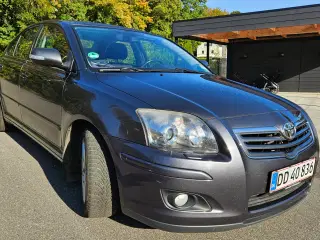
pixel 52 37
pixel 118 48
pixel 25 42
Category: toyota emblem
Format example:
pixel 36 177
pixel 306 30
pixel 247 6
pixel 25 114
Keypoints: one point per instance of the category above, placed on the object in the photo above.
pixel 289 131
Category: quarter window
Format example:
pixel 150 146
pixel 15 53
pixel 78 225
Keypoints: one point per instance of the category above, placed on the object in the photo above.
pixel 53 37
pixel 25 42
pixel 11 47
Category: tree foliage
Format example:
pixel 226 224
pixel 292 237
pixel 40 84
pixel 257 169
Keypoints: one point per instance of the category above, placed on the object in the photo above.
pixel 155 16
pixel 163 13
pixel 127 13
pixel 235 12
pixel 214 12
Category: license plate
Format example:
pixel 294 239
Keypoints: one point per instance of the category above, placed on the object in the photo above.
pixel 289 176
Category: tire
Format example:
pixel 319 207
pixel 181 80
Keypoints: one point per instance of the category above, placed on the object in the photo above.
pixel 98 179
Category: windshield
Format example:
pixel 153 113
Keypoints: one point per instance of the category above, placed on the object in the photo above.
pixel 109 48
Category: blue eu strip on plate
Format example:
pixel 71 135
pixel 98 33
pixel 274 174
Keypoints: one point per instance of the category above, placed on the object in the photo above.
pixel 274 178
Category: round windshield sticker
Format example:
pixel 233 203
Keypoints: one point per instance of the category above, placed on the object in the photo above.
pixel 93 55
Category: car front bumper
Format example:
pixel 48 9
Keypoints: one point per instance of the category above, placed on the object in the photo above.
pixel 212 222
pixel 227 183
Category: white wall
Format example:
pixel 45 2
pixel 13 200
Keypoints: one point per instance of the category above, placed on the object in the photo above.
pixel 215 50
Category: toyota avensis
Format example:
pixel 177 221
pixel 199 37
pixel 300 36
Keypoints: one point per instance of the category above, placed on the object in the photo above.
pixel 150 130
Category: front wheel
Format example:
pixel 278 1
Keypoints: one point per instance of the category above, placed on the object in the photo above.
pixel 97 176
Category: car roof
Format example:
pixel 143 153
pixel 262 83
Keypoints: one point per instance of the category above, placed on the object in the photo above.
pixel 91 24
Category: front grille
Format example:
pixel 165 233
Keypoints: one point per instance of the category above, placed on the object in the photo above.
pixel 268 199
pixel 269 143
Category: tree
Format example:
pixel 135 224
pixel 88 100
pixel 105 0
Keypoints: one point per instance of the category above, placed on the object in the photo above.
pixel 73 10
pixel 7 29
pixel 193 9
pixel 127 13
pixel 235 12
pixel 15 15
pixel 155 16
pixel 163 13
pixel 214 12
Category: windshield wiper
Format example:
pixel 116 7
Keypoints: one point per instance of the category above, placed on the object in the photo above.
pixel 185 70
pixel 121 69
pixel 133 69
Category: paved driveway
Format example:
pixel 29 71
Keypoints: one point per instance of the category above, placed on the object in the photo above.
pixel 36 202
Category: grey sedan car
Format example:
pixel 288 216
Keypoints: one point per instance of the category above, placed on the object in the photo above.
pixel 150 131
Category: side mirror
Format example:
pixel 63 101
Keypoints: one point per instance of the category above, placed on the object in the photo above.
pixel 47 57
pixel 204 62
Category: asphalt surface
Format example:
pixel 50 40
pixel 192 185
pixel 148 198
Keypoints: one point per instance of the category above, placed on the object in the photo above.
pixel 37 203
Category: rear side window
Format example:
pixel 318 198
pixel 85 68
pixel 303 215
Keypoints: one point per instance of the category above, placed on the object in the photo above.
pixel 53 37
pixel 25 42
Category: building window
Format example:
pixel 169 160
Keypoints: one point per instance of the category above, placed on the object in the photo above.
pixel 212 51
pixel 202 52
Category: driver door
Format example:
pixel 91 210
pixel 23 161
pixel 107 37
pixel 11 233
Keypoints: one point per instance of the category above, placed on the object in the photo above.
pixel 41 89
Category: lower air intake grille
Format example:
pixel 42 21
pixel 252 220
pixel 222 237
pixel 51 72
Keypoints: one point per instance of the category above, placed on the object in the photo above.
pixel 267 199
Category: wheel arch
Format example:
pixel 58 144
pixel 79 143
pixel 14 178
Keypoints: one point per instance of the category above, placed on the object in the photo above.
pixel 77 125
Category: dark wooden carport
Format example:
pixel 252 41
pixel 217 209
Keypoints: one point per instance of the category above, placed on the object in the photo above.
pixel 292 32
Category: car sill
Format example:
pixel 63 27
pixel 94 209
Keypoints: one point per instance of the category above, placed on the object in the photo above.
pixel 34 137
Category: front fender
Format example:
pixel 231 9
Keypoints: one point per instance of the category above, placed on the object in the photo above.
pixel 110 111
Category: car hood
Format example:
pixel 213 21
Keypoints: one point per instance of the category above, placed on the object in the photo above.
pixel 200 94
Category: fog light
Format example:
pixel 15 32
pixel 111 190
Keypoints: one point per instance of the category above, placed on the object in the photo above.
pixel 180 200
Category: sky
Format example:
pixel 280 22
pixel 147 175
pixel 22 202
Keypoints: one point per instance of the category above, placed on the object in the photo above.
pixel 257 5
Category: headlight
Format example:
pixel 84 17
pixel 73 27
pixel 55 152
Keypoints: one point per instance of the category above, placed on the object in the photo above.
pixel 175 131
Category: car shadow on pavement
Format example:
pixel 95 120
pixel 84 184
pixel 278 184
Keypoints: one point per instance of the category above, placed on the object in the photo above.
pixel 70 193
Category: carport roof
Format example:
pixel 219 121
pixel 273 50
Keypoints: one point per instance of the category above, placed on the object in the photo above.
pixel 272 24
